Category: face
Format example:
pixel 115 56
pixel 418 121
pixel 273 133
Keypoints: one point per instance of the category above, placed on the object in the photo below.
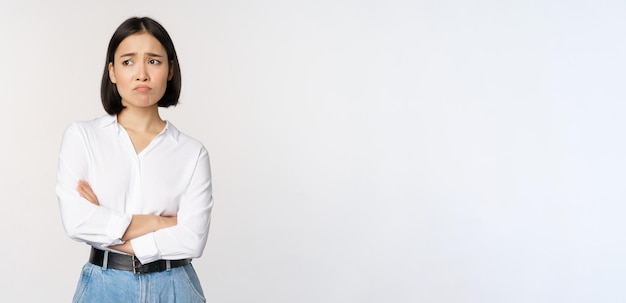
pixel 140 71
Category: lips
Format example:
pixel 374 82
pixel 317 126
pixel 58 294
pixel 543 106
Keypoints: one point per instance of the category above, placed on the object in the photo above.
pixel 142 88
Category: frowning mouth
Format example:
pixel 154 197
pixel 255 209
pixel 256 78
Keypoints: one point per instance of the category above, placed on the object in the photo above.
pixel 142 88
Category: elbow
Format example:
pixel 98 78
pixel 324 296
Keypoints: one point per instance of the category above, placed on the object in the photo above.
pixel 71 225
pixel 195 249
pixel 72 232
pixel 194 245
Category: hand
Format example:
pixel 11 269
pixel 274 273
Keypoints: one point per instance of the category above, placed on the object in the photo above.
pixel 125 247
pixel 86 192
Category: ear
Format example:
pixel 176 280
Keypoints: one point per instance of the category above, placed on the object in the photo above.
pixel 112 73
pixel 170 75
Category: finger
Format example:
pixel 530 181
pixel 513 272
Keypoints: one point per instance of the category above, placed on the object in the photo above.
pixel 86 192
pixel 89 196
pixel 92 197
pixel 85 186
pixel 82 190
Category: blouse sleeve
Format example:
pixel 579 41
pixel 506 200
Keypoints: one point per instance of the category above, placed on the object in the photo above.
pixel 82 220
pixel 188 238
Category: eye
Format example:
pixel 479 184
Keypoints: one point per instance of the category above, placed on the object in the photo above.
pixel 127 62
pixel 154 61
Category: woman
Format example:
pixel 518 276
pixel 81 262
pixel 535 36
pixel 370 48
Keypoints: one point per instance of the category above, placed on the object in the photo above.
pixel 132 186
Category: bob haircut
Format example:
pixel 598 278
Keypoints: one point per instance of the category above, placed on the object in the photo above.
pixel 111 99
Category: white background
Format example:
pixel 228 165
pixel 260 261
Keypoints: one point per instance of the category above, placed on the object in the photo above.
pixel 362 151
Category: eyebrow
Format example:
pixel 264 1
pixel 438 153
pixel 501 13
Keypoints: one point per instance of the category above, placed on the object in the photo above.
pixel 149 54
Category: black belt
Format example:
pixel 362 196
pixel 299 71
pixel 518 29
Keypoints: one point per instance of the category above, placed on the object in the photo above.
pixel 130 263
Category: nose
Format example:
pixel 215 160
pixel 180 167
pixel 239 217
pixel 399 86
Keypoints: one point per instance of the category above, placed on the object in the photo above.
pixel 142 73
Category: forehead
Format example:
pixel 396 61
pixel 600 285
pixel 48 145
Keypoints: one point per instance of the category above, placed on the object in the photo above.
pixel 140 43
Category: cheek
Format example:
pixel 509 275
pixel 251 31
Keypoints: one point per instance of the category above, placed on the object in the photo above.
pixel 162 74
pixel 123 76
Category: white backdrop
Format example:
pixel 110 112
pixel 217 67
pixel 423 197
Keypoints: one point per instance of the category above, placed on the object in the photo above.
pixel 362 151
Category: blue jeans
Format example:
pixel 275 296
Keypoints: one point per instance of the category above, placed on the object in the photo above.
pixel 98 285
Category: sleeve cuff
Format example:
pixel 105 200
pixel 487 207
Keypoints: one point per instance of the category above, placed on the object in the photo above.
pixel 118 224
pixel 145 248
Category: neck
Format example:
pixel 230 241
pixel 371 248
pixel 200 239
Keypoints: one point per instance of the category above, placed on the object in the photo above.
pixel 140 119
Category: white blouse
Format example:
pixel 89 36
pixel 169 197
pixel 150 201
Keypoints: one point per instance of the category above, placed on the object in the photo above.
pixel 170 177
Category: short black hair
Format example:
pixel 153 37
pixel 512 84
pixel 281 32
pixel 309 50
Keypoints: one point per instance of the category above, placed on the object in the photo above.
pixel 111 99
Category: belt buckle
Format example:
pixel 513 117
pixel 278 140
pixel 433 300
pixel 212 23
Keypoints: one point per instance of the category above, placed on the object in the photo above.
pixel 136 266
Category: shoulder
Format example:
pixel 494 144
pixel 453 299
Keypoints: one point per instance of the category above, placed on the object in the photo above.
pixel 90 125
pixel 188 147
pixel 83 133
pixel 184 140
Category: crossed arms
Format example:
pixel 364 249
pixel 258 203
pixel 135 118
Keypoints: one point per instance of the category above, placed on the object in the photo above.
pixel 139 224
